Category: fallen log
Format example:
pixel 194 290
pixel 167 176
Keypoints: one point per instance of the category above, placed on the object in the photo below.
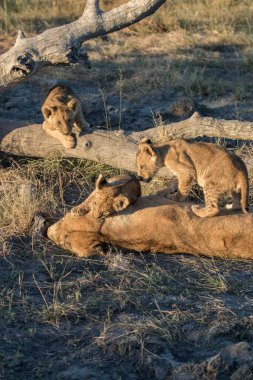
pixel 117 149
pixel 180 231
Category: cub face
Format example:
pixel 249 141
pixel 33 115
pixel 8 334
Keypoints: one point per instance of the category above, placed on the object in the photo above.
pixel 107 199
pixel 147 160
pixel 61 116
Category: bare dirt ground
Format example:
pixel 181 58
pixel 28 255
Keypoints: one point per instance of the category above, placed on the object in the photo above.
pixel 126 315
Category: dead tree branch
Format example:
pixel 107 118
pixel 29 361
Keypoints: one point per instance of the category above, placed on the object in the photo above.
pixel 63 44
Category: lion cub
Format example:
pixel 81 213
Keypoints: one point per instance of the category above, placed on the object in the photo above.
pixel 214 168
pixel 63 113
pixel 111 195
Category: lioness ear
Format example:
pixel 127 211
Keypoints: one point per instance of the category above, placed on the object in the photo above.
pixel 101 181
pixel 120 203
pixel 72 104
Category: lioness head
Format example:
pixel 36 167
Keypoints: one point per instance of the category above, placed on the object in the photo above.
pixel 109 198
pixel 61 115
pixel 147 160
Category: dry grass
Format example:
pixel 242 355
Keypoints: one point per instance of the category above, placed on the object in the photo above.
pixel 47 186
pixel 133 308
pixel 194 65
pixel 219 16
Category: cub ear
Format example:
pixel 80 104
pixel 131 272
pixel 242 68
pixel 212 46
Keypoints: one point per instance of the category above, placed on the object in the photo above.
pixel 146 140
pixel 146 148
pixel 72 104
pixel 120 203
pixel 47 112
pixel 101 181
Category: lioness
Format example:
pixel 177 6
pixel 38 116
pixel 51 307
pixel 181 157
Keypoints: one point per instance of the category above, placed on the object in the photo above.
pixel 111 195
pixel 214 168
pixel 156 224
pixel 63 113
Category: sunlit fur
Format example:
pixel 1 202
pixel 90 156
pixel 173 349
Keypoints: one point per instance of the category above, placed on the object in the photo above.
pixel 63 114
pixel 156 224
pixel 110 196
pixel 217 170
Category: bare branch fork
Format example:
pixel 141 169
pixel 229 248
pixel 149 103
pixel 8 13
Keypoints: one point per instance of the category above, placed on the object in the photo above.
pixel 62 45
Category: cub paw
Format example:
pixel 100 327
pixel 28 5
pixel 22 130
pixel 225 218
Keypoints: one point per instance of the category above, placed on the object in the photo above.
pixel 233 207
pixel 79 128
pixel 86 125
pixel 45 125
pixel 197 210
pixel 76 129
pixel 204 211
pixel 176 197
pixel 171 197
pixel 69 142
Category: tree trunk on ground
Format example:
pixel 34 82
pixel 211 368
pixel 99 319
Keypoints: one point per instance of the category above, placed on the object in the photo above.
pixel 117 149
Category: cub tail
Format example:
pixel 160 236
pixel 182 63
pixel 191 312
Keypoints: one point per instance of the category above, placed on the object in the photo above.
pixel 245 194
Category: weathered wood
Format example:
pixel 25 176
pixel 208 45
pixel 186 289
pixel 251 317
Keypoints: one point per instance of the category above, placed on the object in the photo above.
pixel 198 126
pixel 116 149
pixel 63 45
